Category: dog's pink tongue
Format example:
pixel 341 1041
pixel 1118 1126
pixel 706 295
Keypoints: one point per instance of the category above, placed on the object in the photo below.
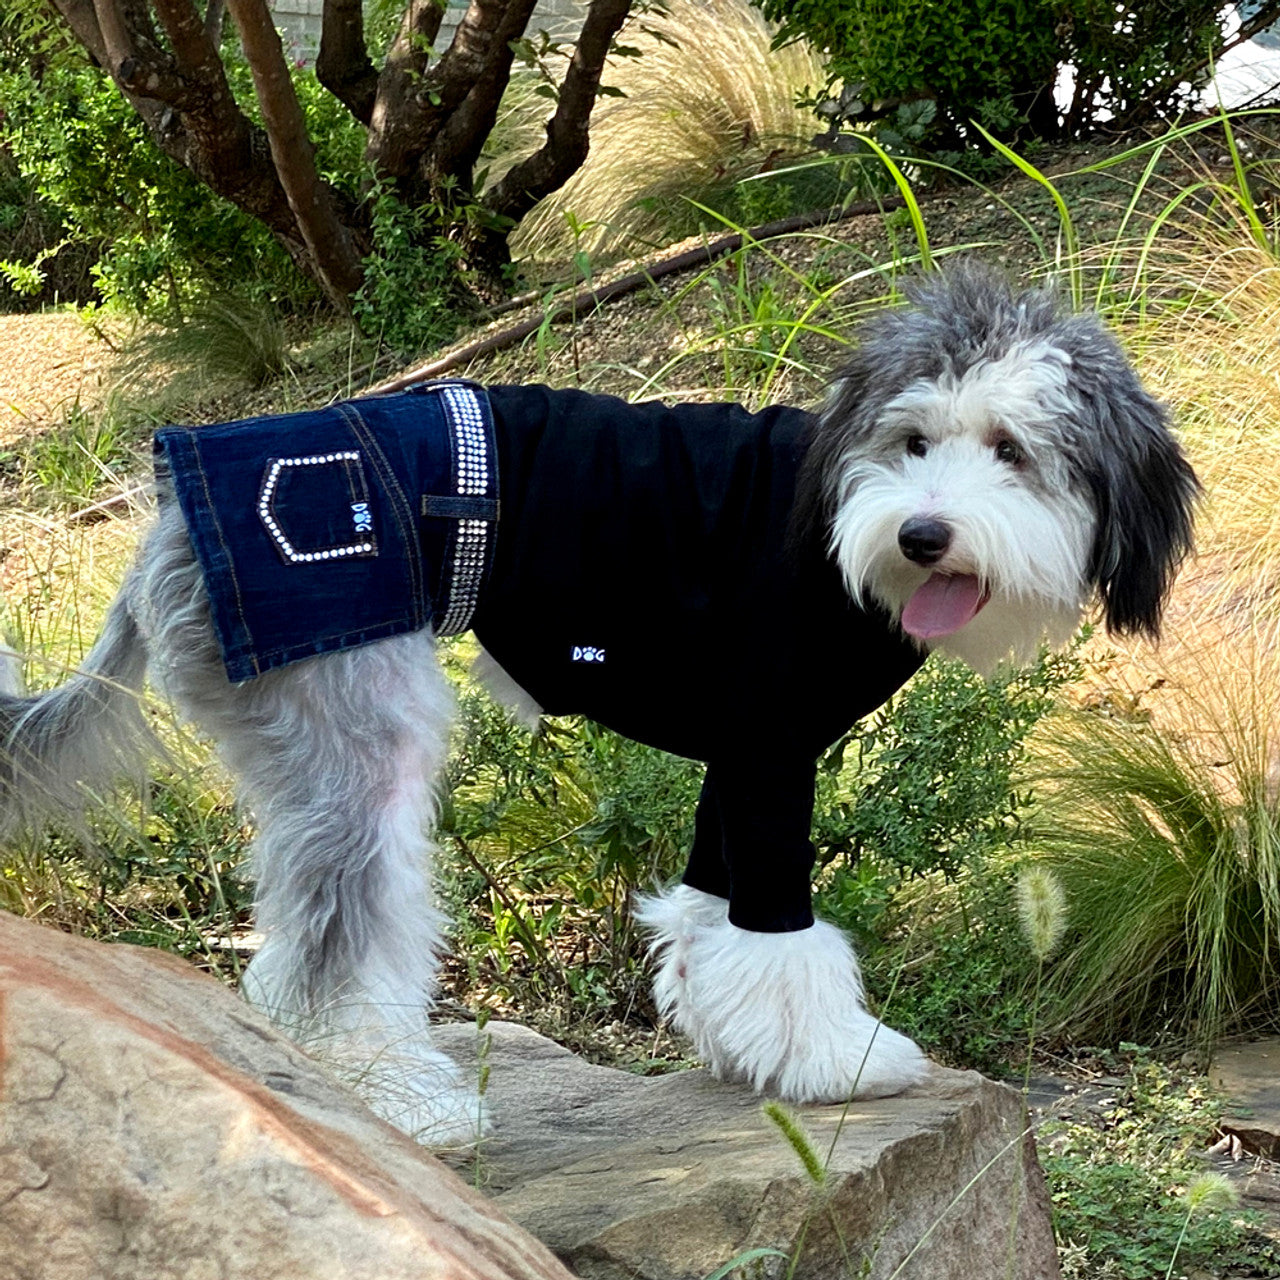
pixel 943 605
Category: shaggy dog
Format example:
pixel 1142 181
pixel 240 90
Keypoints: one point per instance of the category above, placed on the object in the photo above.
pixel 738 588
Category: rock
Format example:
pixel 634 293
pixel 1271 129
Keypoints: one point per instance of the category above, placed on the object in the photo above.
pixel 154 1127
pixel 1249 1075
pixel 673 1176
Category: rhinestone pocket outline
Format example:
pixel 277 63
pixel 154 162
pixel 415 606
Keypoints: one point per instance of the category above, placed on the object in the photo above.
pixel 291 553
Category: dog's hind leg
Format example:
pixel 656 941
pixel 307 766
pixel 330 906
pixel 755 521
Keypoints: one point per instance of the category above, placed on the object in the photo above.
pixel 336 759
pixel 338 764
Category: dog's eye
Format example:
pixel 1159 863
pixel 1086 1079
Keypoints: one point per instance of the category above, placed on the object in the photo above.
pixel 1008 451
pixel 917 446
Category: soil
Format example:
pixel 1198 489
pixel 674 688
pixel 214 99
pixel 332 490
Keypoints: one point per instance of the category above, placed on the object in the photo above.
pixel 48 363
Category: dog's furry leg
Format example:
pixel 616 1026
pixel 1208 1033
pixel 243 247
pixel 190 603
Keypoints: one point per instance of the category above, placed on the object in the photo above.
pixel 674 919
pixel 57 748
pixel 336 758
pixel 783 1011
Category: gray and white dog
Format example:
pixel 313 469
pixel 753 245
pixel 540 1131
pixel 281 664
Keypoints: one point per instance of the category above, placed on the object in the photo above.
pixel 986 467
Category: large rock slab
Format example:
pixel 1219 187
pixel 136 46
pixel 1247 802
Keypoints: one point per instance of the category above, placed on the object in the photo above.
pixel 153 1127
pixel 1249 1076
pixel 670 1177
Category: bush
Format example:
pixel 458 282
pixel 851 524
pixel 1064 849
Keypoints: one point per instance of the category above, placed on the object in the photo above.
pixel 412 296
pixel 930 786
pixel 549 837
pixel 997 61
pixel 918 810
pixel 160 236
pixel 1129 1192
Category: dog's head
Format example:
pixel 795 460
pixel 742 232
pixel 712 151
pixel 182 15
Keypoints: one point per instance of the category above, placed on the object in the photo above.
pixel 988 463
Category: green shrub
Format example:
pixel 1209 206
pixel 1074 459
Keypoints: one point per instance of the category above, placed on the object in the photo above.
pixel 161 236
pixel 412 297
pixel 997 61
pixel 549 836
pixel 1127 1188
pixel 927 783
pixel 918 810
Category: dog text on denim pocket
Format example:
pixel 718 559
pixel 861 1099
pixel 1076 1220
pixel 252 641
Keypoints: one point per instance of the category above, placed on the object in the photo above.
pixel 587 653
pixel 362 517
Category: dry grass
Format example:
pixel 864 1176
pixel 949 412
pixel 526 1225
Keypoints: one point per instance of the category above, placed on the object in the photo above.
pixel 707 104
pixel 1212 360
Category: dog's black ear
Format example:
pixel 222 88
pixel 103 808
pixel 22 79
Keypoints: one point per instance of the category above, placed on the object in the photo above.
pixel 1143 488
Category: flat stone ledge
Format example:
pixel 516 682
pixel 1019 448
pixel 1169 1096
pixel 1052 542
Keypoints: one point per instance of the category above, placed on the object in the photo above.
pixel 1249 1076
pixel 670 1177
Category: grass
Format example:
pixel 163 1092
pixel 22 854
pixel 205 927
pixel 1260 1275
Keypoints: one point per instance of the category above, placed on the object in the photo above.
pixel 706 104
pixel 68 464
pixel 1167 842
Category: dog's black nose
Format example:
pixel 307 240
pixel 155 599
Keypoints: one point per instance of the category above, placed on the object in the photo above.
pixel 924 541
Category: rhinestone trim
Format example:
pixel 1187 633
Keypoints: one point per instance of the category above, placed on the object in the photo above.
pixel 264 509
pixel 472 476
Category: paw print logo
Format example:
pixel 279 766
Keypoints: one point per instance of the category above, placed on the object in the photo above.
pixel 587 653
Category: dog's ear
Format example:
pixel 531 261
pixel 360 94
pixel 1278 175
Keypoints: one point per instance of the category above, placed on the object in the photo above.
pixel 1144 493
pixel 832 431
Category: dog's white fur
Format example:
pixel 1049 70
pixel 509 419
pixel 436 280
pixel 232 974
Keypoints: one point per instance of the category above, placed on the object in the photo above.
pixel 337 757
pixel 783 1011
pixel 1030 545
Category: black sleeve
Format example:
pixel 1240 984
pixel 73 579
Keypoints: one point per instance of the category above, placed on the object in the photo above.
pixel 751 841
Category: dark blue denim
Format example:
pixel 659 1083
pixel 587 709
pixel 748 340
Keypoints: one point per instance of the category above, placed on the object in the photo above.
pixel 322 530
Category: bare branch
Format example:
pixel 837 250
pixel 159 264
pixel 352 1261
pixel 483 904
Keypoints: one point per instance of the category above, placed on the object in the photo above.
pixel 342 63
pixel 196 53
pixel 213 20
pixel 137 68
pixel 418 30
pixel 411 107
pixel 79 15
pixel 567 143
pixel 461 138
pixel 310 199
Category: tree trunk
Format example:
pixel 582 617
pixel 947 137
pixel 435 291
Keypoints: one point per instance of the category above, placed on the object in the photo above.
pixel 427 117
pixel 327 240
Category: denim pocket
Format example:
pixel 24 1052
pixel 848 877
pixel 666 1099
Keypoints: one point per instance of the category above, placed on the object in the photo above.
pixel 317 507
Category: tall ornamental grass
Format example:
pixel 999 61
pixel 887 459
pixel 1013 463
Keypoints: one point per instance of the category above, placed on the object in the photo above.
pixel 706 103
pixel 1165 835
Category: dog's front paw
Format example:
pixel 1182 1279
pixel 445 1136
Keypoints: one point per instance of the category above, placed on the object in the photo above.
pixel 785 1012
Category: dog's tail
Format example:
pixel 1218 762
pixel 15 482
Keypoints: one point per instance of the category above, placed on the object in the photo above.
pixel 57 749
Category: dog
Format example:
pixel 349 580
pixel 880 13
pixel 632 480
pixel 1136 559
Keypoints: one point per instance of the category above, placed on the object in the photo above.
pixel 735 587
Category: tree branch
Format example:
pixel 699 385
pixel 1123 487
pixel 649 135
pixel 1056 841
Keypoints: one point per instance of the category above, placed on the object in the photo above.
pixel 137 68
pixel 418 30
pixel 213 20
pixel 80 16
pixel 567 142
pixel 461 138
pixel 310 200
pixel 411 107
pixel 342 63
